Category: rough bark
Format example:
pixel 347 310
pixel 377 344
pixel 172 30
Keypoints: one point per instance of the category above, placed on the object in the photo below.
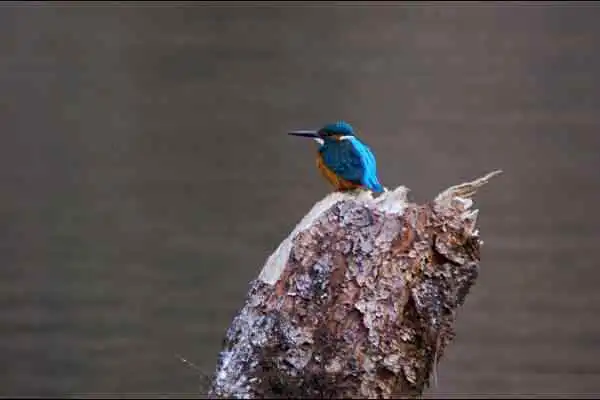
pixel 359 300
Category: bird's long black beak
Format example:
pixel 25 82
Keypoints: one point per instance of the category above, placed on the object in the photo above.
pixel 309 134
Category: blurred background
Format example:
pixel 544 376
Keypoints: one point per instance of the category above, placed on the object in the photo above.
pixel 146 175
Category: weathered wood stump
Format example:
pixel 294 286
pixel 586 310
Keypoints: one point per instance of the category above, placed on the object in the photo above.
pixel 358 301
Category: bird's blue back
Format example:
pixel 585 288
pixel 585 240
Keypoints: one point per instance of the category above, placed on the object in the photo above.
pixel 352 160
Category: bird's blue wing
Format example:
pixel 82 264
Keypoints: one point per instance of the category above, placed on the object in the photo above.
pixel 344 160
pixel 353 161
pixel 369 176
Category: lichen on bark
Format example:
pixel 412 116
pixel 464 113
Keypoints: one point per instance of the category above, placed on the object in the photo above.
pixel 359 300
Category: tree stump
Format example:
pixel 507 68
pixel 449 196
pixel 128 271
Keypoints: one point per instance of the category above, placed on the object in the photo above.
pixel 358 301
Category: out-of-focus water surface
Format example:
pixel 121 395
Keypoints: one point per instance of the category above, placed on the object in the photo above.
pixel 146 176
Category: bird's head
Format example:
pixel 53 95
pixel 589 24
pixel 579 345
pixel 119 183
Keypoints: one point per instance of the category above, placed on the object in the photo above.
pixel 336 131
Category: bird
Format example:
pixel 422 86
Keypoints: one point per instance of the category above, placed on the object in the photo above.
pixel 344 160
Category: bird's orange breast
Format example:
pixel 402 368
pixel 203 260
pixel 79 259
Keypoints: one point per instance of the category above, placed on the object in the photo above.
pixel 338 182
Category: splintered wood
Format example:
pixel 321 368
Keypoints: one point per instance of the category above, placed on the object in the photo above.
pixel 359 300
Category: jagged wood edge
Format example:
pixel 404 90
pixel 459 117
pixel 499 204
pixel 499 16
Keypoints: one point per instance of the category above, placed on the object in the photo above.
pixel 391 201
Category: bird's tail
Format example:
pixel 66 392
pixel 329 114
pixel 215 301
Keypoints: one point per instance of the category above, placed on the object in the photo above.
pixel 377 187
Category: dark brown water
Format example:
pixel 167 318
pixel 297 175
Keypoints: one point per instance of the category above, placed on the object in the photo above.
pixel 146 175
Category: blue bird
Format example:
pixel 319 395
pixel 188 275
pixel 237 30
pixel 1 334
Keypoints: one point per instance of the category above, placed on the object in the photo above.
pixel 345 161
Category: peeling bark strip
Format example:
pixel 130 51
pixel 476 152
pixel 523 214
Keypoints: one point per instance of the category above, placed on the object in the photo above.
pixel 359 301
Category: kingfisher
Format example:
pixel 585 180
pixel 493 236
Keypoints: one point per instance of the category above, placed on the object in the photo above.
pixel 344 160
